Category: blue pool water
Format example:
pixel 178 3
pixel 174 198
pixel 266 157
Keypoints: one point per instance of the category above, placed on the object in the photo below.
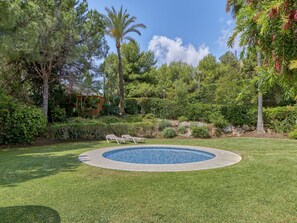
pixel 158 155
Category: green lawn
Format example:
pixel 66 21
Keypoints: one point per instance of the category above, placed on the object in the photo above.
pixel 49 184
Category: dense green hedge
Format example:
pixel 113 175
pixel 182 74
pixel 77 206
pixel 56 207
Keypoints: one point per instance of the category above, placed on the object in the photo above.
pixel 168 109
pixel 96 131
pixel 19 123
pixel 200 112
pixel 281 119
pixel 162 108
pixel 240 114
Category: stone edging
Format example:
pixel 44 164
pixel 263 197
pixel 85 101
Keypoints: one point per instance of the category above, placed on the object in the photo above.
pixel 222 158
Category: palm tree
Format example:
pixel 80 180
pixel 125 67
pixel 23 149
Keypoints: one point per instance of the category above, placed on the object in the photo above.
pixel 234 6
pixel 119 25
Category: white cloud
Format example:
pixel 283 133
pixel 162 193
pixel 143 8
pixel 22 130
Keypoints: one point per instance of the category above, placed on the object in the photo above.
pixel 169 50
pixel 226 33
pixel 229 22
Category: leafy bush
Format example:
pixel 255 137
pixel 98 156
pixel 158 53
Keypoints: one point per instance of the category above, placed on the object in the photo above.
pixel 169 109
pixel 162 108
pixel 280 126
pixel 109 119
pixel 133 118
pixel 239 114
pixel 200 132
pixel 182 119
pixel 281 119
pixel 163 124
pixel 131 106
pixel 169 133
pixel 96 131
pixel 110 109
pixel 119 128
pixel 19 123
pixel 218 119
pixel 78 131
pixel 145 129
pixel 182 129
pixel 293 134
pixel 58 114
pixel 200 112
pixel 77 120
pixel 150 116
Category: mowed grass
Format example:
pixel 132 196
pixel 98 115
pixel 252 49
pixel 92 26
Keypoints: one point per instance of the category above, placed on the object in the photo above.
pixel 49 184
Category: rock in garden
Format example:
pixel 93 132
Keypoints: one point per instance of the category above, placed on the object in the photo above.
pixel 174 123
pixel 228 129
pixel 185 124
pixel 237 131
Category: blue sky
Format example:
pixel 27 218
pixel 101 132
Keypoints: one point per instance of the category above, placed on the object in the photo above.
pixel 177 30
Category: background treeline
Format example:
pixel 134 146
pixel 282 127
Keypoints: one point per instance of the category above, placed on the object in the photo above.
pixel 49 53
pixel 224 81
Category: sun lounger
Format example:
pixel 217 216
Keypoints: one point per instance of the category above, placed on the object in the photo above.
pixel 134 139
pixel 114 137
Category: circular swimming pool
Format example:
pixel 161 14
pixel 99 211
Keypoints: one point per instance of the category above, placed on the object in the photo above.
pixel 158 155
pixel 159 158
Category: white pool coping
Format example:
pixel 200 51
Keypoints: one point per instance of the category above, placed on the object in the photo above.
pixel 222 158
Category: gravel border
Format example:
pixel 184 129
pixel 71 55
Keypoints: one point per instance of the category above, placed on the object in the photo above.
pixel 222 158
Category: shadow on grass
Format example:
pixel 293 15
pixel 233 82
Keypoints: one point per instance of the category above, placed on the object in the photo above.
pixel 28 214
pixel 21 165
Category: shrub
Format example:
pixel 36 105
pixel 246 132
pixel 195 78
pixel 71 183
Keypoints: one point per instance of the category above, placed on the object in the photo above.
pixel 280 126
pixel 169 133
pixel 96 131
pixel 218 119
pixel 182 119
pixel 281 119
pixel 77 120
pixel 145 129
pixel 200 112
pixel 150 116
pixel 293 134
pixel 200 132
pixel 133 118
pixel 58 114
pixel 163 124
pixel 182 129
pixel 109 119
pixel 19 123
pixel 131 106
pixel 119 128
pixel 162 108
pixel 110 109
pixel 78 131
pixel 239 114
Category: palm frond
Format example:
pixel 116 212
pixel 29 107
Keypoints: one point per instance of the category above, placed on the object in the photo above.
pixel 120 23
pixel 293 64
pixel 131 39
pixel 134 29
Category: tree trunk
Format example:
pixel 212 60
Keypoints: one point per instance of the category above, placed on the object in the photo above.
pixel 45 95
pixel 260 125
pixel 121 83
pixel 199 81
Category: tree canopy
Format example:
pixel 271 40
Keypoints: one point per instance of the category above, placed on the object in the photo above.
pixel 50 39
